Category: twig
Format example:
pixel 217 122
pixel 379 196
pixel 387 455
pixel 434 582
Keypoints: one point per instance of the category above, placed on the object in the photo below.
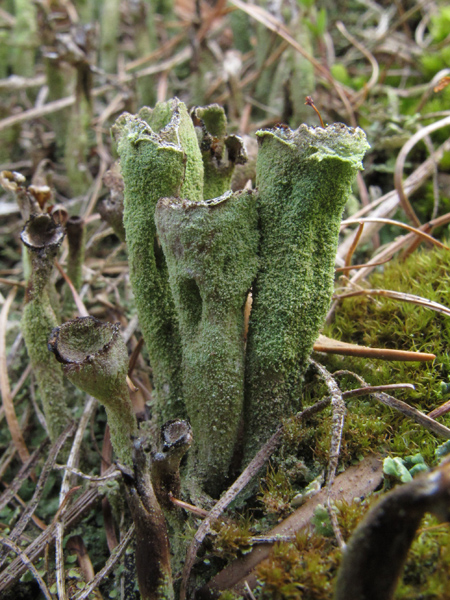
pixel 114 475
pixel 5 389
pixel 18 480
pixel 400 296
pixel 339 410
pixel 46 469
pixel 29 565
pixel 418 232
pixel 370 389
pixel 110 564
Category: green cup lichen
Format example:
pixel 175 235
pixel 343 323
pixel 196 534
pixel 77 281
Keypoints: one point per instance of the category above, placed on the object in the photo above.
pixel 304 179
pixel 220 152
pixel 211 252
pixel 42 238
pixel 159 157
pixel 95 359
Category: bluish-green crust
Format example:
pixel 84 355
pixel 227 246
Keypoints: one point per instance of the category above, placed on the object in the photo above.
pixel 159 157
pixel 304 179
pixel 211 252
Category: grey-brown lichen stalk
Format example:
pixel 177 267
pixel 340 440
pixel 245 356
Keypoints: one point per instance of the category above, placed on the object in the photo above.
pixel 95 359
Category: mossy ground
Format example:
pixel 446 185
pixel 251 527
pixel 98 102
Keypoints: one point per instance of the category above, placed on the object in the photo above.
pixel 307 568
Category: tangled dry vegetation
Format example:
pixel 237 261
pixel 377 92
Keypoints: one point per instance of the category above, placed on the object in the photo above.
pixel 373 408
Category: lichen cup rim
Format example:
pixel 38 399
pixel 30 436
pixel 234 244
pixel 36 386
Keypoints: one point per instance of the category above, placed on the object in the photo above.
pixel 62 341
pixel 41 231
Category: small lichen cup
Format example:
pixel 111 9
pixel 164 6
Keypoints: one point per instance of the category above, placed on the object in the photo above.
pixel 95 359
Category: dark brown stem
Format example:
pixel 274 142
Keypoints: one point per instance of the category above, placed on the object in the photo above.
pixel 176 439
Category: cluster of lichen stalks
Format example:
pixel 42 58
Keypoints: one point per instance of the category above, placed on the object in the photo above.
pixel 196 250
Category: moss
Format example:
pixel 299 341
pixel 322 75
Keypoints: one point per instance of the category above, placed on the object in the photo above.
pixel 155 165
pixel 304 179
pixel 385 323
pixel 210 250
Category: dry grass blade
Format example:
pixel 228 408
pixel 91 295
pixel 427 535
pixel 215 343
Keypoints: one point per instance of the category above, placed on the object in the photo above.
pixel 250 471
pixel 48 466
pixel 8 543
pixel 418 232
pixel 400 163
pixel 400 296
pixel 18 480
pixel 82 310
pixel 330 346
pixel 263 16
pixel 110 564
pixel 5 389
pixel 387 204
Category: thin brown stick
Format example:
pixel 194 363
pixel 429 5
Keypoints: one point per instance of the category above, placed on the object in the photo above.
pixel 351 250
pixel 5 389
pixel 400 296
pixel 418 232
pixel 330 346
pixel 363 266
pixel 82 310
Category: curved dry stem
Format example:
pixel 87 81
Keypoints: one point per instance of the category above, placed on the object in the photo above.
pixel 10 413
pixel 400 163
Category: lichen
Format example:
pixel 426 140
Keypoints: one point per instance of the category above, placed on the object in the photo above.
pixel 42 238
pixel 159 157
pixel 211 252
pixel 304 179
pixel 95 359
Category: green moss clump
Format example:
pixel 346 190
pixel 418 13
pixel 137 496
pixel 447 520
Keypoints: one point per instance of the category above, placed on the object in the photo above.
pixel 304 179
pixel 211 253
pixel 386 323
